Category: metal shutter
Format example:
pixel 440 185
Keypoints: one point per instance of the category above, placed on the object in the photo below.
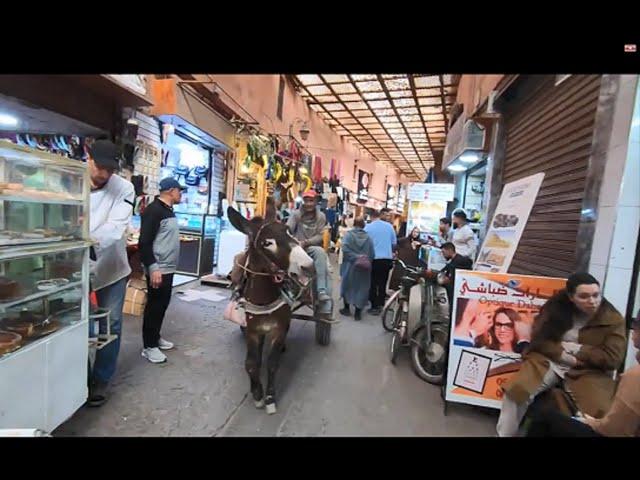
pixel 551 131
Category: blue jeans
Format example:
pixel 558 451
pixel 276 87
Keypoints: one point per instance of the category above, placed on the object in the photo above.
pixel 112 298
pixel 321 264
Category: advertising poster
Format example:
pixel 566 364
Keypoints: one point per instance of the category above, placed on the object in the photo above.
pixel 427 205
pixel 493 314
pixel 392 202
pixel 364 179
pixel 507 224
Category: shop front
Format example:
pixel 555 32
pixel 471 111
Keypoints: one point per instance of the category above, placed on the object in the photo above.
pixel 45 240
pixel 549 128
pixel 195 149
pixel 466 154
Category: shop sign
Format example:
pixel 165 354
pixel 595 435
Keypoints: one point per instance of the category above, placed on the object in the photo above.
pixel 493 314
pixel 402 196
pixel 392 202
pixel 437 192
pixel 507 224
pixel 364 179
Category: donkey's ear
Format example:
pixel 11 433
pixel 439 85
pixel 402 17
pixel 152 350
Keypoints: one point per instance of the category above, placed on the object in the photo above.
pixel 238 221
pixel 270 210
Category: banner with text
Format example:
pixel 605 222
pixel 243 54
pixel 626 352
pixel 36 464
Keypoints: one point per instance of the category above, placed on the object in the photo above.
pixel 493 314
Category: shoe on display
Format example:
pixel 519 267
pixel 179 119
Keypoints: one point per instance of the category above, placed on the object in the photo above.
pixel 165 344
pixel 154 355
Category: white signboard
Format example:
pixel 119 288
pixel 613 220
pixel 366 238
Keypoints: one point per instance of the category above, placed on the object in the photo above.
pixel 433 192
pixel 508 223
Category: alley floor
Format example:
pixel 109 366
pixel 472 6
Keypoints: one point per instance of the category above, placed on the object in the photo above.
pixel 348 388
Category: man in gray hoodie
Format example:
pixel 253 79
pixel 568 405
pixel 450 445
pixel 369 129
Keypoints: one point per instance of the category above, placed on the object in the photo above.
pixel 159 251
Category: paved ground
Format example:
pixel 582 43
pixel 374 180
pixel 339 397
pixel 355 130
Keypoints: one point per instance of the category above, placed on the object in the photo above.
pixel 346 389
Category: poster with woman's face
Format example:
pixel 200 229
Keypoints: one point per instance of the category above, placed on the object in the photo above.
pixel 493 316
pixel 363 185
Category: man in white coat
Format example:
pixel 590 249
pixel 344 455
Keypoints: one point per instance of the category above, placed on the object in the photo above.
pixel 463 237
pixel 112 200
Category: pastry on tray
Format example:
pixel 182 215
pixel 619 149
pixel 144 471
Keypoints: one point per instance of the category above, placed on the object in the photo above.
pixel 9 342
pixel 9 289
pixel 11 187
pixel 24 329
pixel 46 328
pixel 52 284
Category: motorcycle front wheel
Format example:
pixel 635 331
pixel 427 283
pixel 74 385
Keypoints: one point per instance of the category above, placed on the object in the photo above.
pixel 428 361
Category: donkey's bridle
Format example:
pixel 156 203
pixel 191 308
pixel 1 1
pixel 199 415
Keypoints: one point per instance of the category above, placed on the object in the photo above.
pixel 278 275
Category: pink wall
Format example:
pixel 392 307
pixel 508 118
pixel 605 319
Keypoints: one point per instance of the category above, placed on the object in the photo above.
pixel 473 89
pixel 258 94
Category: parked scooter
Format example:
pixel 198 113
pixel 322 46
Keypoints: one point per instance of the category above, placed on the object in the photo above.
pixel 430 339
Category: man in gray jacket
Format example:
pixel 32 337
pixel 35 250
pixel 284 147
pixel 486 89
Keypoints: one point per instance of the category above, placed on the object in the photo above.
pixel 308 225
pixel 159 251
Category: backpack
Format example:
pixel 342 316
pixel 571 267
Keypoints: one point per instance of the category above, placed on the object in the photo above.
pixel 362 263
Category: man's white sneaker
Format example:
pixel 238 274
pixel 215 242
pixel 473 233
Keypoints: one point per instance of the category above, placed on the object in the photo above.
pixel 165 344
pixel 154 355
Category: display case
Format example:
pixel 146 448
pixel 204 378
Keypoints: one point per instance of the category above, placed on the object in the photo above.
pixel 44 288
pixel 197 243
pixel 42 197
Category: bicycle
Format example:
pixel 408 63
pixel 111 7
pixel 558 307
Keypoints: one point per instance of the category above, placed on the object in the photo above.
pixel 406 307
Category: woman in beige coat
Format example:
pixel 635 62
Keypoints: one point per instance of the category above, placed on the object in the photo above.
pixel 578 339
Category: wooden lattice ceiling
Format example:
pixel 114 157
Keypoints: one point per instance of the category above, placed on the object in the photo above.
pixel 400 119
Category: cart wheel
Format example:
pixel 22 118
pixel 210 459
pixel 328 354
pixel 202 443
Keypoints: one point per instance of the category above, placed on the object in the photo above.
pixel 323 333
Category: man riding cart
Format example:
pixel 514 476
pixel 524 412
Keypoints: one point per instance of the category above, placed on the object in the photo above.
pixel 308 226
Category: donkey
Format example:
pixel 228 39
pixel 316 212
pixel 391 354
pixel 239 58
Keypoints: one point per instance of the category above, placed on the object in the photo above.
pixel 273 255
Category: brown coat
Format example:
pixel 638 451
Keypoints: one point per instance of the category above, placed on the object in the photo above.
pixel 604 344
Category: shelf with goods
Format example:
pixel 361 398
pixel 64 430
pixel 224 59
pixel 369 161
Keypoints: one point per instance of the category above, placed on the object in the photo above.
pixel 44 289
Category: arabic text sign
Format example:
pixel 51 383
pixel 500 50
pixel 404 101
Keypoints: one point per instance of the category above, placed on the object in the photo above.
pixel 435 192
pixel 493 313
pixel 508 223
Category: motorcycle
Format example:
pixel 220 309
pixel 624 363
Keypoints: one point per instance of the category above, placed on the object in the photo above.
pixel 430 339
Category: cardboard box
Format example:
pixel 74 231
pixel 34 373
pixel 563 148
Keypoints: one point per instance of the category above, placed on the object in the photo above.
pixel 135 300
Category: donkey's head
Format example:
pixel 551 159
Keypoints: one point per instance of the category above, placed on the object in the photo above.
pixel 275 249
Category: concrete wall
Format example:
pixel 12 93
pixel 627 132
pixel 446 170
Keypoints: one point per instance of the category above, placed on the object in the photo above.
pixel 258 94
pixel 474 89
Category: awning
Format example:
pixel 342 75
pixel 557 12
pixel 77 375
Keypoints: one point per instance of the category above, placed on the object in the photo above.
pixel 177 103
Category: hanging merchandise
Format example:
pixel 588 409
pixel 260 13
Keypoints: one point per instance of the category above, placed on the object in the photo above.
pixel 332 170
pixel 317 171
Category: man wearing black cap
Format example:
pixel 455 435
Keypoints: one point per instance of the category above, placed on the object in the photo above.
pixel 159 251
pixel 111 204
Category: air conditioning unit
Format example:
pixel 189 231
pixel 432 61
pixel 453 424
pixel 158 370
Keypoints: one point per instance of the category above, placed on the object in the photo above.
pixel 466 136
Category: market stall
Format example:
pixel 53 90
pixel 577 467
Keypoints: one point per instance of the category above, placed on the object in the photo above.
pixel 44 287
